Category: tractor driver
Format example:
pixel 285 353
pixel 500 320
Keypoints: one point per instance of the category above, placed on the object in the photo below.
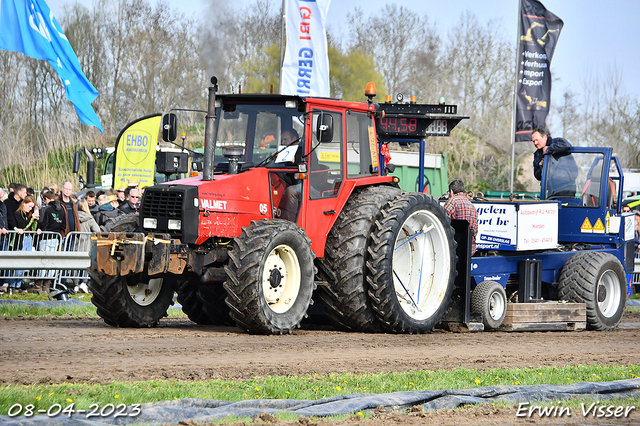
pixel 563 171
pixel 291 199
pixel 290 203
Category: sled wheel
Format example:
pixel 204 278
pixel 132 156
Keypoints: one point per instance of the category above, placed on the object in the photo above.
pixel 490 300
pixel 270 277
pixel 598 280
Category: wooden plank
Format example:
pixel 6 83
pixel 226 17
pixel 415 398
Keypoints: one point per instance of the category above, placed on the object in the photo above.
pixel 560 312
pixel 542 306
pixel 547 317
pixel 555 326
pixel 550 316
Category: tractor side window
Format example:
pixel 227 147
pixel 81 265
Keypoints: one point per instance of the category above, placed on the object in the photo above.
pixel 325 162
pixel 358 148
pixel 612 188
pixel 562 173
pixel 590 177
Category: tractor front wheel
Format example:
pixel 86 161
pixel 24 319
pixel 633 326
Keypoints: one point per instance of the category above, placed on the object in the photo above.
pixel 270 277
pixel 131 301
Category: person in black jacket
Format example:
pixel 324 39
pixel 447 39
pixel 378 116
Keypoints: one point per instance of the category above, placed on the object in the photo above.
pixel 131 204
pixel 66 200
pixel 26 222
pixel 90 196
pixel 53 218
pixel 563 170
pixel 4 241
pixel 13 201
pixel 3 217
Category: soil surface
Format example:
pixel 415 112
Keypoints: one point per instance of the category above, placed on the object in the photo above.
pixel 86 350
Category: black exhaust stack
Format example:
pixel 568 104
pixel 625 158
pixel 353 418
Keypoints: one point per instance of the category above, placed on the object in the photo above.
pixel 209 132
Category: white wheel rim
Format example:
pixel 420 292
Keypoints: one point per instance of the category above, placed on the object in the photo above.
pixel 421 265
pixel 281 278
pixel 145 293
pixel 610 293
pixel 496 305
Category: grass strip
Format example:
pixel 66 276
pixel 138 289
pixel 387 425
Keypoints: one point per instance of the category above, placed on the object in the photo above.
pixel 312 387
pixel 25 310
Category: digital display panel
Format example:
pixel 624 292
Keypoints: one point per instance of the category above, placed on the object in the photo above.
pixel 418 127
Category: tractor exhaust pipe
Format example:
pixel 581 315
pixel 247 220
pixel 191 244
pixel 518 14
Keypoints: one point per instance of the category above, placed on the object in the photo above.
pixel 209 132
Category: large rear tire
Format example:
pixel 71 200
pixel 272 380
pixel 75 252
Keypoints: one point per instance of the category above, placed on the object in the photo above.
pixel 345 299
pixel 270 277
pixel 131 301
pixel 598 280
pixel 204 304
pixel 412 264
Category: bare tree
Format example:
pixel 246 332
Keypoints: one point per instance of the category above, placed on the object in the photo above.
pixel 393 37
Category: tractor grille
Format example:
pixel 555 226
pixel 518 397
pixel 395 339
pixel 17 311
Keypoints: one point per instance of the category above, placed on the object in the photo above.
pixel 171 203
pixel 163 205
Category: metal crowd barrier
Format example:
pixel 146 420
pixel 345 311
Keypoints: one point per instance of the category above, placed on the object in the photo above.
pixel 636 270
pixel 29 256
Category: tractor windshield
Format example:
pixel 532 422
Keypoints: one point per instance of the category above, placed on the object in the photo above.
pixel 578 178
pixel 260 129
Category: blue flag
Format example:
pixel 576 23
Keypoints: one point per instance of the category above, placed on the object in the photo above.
pixel 28 26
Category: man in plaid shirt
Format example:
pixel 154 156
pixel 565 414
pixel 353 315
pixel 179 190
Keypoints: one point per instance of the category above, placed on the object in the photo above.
pixel 458 206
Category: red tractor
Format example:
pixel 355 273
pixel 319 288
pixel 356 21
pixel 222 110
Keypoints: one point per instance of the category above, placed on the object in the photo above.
pixel 293 205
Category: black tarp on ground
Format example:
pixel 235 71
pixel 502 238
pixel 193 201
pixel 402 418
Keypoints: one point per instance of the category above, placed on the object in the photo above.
pixel 205 410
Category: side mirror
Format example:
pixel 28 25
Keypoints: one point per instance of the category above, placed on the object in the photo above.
pixel 390 168
pixel 169 127
pixel 324 128
pixel 76 162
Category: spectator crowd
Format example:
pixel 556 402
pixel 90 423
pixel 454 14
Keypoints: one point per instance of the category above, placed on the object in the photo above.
pixel 58 211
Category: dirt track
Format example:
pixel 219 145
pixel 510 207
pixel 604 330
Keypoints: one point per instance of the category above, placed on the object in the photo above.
pixel 86 350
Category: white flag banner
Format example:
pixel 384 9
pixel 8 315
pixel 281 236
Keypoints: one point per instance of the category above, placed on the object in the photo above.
pixel 305 71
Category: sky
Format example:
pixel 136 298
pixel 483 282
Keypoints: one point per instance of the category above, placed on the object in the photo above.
pixel 598 36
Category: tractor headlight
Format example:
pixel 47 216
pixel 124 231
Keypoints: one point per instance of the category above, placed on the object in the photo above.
pixel 174 224
pixel 150 223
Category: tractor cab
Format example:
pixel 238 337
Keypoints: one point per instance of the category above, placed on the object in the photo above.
pixel 284 157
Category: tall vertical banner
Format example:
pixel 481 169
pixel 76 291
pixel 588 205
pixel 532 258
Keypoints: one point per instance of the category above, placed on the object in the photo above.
pixel 539 32
pixel 136 152
pixel 305 71
pixel 28 26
